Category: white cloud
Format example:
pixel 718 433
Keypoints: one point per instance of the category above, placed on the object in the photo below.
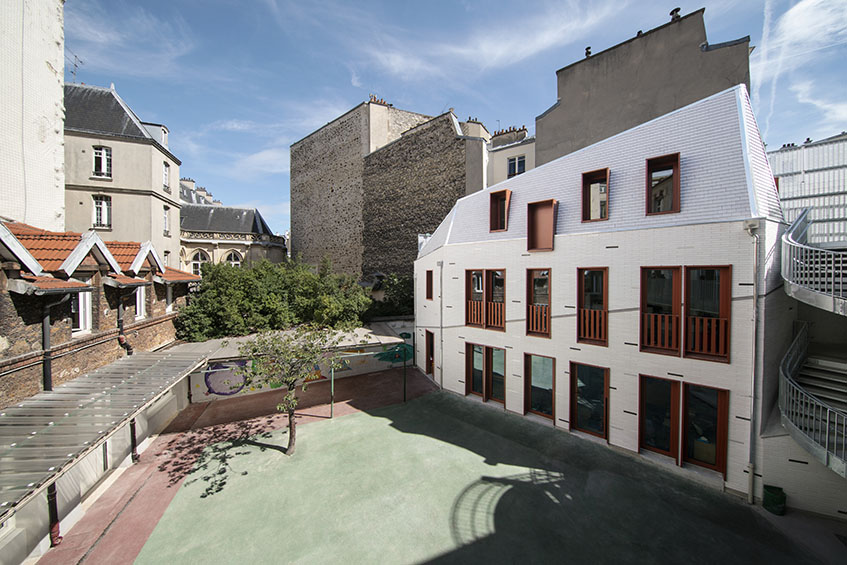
pixel 354 79
pixel 834 113
pixel 269 161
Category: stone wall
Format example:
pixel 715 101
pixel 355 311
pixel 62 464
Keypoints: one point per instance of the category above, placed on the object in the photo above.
pixel 409 187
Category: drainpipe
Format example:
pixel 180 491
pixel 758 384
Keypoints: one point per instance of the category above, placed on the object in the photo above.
pixel 441 321
pixel 121 335
pixel 751 462
pixel 47 363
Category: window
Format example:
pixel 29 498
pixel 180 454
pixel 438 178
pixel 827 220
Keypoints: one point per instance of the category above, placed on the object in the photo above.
pixel 80 312
pixel 660 305
pixel 430 353
pixel 233 259
pixel 102 162
pixel 659 415
pixel 593 313
pixel 707 310
pixel 140 302
pixel 486 298
pixel 102 211
pixel 167 258
pixel 485 372
pixel 705 427
pixel 429 285
pixel 538 302
pixel 663 184
pixel 590 399
pixel 541 225
pixel 166 219
pixel 540 387
pixel 197 261
pixel 166 173
pixel 595 195
pixel 517 165
pixel 499 210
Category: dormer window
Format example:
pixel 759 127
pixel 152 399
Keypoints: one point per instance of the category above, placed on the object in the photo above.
pixel 541 225
pixel 102 162
pixel 500 210
pixel 517 165
pixel 663 184
pixel 595 195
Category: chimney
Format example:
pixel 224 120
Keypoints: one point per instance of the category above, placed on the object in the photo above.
pixel 508 136
pixel 188 183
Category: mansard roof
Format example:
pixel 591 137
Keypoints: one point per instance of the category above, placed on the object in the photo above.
pixel 724 174
pixel 222 219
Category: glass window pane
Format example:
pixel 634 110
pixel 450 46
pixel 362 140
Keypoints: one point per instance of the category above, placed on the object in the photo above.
pixel 476 285
pixel 541 288
pixel 659 299
pixel 521 164
pixel 498 286
pixel 592 290
pixel 512 167
pixel 704 293
pixel 702 424
pixel 656 413
pixel 541 385
pixel 498 374
pixel 591 399
pixel 476 369
pixel 597 199
pixel 661 189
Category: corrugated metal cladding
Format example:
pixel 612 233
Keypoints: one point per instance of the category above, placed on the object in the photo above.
pixel 814 175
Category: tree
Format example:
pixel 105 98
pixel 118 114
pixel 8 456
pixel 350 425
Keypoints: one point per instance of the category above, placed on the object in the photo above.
pixel 289 359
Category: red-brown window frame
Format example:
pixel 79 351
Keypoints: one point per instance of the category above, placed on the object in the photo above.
pixel 429 353
pixel 657 163
pixel 486 298
pixel 587 179
pixel 572 422
pixel 677 301
pixel 527 364
pixel 429 285
pixel 579 306
pixel 675 451
pixel 725 306
pixel 494 216
pixel 487 374
pixel 530 289
pixel 722 431
pixel 552 204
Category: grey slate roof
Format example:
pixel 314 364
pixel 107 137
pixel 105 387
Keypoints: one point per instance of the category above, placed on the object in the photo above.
pixel 100 110
pixel 226 219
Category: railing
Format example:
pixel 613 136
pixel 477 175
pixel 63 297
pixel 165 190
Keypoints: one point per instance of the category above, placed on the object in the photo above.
pixel 538 320
pixel 814 275
pixel 475 313
pixel 819 428
pixel 591 325
pixel 660 331
pixel 707 336
pixel 496 315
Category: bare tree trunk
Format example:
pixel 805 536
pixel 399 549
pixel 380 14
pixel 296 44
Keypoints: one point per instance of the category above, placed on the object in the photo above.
pixel 292 432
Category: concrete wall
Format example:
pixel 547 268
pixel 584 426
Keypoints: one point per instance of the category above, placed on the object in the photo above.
pixel 498 160
pixel 32 176
pixel 634 82
pixel 136 188
pixel 409 186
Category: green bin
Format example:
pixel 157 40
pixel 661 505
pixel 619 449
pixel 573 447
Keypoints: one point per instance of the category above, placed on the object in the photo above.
pixel 774 500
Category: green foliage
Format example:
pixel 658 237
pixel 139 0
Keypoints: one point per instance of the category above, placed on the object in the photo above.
pixel 235 301
pixel 399 298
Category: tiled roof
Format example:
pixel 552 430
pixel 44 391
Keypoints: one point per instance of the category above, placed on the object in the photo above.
pixel 124 280
pixel 50 249
pixel 124 252
pixel 50 283
pixel 175 275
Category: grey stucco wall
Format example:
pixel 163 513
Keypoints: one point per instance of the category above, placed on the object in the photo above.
pixel 634 82
pixel 409 186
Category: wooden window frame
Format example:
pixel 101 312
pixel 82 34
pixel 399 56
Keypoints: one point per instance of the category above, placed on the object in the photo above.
pixel 722 431
pixel 572 423
pixel 725 306
pixel 487 373
pixel 587 179
pixel 494 216
pixel 530 289
pixel 528 386
pixel 677 311
pixel 469 369
pixel 429 285
pixel 486 298
pixel 676 413
pixel 579 305
pixel 429 343
pixel 659 163
pixel 552 204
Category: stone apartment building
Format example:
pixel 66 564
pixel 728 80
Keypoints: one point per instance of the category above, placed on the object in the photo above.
pixel 120 178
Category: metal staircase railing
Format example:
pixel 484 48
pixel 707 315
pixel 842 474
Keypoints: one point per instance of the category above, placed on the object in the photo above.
pixel 819 428
pixel 813 275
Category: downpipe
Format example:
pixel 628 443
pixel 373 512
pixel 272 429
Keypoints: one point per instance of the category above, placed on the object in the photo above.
pixel 47 361
pixel 122 340
pixel 751 462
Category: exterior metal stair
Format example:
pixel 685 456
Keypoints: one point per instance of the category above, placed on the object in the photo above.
pixel 826 379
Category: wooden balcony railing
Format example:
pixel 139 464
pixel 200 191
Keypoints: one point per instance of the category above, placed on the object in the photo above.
pixel 475 313
pixel 496 317
pixel 538 319
pixel 707 336
pixel 660 331
pixel 592 325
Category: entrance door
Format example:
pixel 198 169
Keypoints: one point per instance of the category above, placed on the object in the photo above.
pixel 659 416
pixel 590 399
pixel 430 353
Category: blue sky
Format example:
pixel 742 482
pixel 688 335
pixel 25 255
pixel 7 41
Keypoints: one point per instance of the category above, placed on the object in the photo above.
pixel 238 81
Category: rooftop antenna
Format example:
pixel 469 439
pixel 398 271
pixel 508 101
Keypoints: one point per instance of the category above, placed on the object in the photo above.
pixel 76 63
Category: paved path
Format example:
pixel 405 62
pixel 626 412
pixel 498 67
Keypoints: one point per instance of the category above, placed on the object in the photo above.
pixel 117 525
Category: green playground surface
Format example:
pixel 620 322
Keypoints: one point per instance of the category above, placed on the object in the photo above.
pixel 444 479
